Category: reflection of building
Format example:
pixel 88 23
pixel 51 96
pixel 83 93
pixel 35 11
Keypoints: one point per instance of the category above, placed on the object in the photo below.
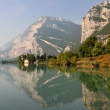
pixel 26 62
pixel 96 100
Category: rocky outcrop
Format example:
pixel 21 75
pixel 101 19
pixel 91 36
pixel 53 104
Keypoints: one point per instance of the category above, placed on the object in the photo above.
pixel 95 20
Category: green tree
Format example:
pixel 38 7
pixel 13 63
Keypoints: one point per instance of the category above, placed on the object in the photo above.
pixel 59 56
pixel 52 61
pixel 49 57
pixel 85 49
pixel 107 47
pixel 31 58
pixel 98 49
pixel 20 61
pixel 38 57
pixel 73 59
pixel 69 54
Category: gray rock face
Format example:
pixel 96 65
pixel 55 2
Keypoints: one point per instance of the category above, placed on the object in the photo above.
pixel 48 34
pixel 96 19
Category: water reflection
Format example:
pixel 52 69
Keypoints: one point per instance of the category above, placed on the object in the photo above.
pixel 29 68
pixel 57 86
pixel 50 88
pixel 96 88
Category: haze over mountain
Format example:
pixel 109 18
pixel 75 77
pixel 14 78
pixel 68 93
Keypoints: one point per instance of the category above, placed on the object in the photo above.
pixel 49 34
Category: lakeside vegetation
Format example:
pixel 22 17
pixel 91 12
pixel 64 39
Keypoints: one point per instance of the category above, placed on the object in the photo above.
pixel 64 59
pixel 92 47
pixel 92 53
pixel 30 57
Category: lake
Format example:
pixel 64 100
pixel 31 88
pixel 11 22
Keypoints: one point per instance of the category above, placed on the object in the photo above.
pixel 53 88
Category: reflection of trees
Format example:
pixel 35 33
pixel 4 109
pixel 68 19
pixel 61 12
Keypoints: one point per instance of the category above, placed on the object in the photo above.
pixel 104 72
pixel 32 67
pixel 63 69
pixel 96 91
pixel 41 67
pixel 29 68
pixel 94 82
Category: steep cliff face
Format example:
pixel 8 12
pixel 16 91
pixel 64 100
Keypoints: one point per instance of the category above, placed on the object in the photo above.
pixel 48 34
pixel 96 20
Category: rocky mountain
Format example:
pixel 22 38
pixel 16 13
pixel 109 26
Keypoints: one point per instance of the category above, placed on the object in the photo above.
pixel 97 21
pixel 49 34
pixel 8 46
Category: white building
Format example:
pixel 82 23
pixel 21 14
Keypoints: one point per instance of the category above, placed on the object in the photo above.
pixel 26 62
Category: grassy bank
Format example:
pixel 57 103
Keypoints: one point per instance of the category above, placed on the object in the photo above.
pixel 102 61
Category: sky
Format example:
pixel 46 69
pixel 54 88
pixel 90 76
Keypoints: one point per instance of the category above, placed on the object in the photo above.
pixel 17 15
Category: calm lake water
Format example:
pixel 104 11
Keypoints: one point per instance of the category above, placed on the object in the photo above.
pixel 53 88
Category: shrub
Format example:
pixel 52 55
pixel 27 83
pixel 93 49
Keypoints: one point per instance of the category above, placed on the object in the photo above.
pixel 52 61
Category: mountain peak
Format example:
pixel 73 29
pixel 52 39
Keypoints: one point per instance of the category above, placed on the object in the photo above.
pixel 48 34
pixel 53 18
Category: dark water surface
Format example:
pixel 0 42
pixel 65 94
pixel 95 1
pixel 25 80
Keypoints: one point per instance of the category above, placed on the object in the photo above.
pixel 50 88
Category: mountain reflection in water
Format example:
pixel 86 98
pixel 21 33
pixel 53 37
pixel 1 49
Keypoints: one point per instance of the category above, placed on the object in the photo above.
pixel 96 88
pixel 59 86
pixel 48 87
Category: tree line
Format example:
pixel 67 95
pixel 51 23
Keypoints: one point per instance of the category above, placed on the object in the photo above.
pixel 67 58
pixel 92 47
pixel 30 57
